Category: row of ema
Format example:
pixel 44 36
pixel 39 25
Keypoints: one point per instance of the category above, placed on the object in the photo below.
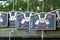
pixel 29 20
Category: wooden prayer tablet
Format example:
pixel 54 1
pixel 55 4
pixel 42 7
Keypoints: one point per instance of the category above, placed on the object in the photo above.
pixel 23 20
pixel 57 13
pixel 12 18
pixel 3 19
pixel 43 21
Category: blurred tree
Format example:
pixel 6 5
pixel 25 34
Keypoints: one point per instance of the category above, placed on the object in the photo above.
pixel 34 5
pixel 21 5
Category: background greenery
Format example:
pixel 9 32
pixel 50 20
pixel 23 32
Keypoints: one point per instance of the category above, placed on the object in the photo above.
pixel 21 5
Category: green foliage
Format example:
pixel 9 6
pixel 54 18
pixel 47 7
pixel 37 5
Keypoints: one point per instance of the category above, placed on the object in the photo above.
pixel 33 4
pixel 21 4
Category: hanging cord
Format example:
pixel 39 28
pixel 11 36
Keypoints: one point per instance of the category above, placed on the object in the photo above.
pixel 43 6
pixel 57 13
pixel 27 5
pixel 13 6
